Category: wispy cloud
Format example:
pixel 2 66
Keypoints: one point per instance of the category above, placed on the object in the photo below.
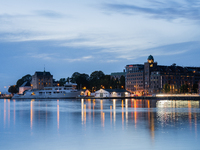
pixel 165 50
pixel 44 56
pixel 49 14
pixel 84 58
pixel 166 9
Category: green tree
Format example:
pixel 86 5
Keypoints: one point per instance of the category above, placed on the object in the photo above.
pixel 184 88
pixel 74 77
pixel 12 89
pixel 122 82
pixel 62 81
pixel 95 79
pixel 26 78
pixel 166 88
pixel 195 88
pixel 82 81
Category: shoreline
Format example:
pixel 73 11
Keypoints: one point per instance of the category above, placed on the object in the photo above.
pixel 148 97
pixel 134 97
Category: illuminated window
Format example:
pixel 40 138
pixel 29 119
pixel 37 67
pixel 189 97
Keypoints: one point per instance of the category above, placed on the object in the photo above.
pixel 151 65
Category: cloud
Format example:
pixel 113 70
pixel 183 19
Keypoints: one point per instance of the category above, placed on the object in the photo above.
pixel 84 58
pixel 45 56
pixel 165 50
pixel 49 14
pixel 166 9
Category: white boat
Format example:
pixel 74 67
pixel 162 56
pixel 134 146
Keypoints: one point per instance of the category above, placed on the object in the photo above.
pixel 67 91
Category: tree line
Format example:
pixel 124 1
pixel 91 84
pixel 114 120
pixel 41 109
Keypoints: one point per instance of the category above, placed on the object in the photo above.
pixel 185 88
pixel 92 82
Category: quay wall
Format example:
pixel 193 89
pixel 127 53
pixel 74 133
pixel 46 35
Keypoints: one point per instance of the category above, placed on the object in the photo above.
pixel 148 97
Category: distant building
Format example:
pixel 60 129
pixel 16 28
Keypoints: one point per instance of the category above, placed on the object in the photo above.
pixel 41 80
pixel 118 75
pixel 25 86
pixel 134 79
pixel 112 93
pixel 150 78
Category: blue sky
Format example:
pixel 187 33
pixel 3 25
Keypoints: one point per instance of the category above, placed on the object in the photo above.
pixel 84 36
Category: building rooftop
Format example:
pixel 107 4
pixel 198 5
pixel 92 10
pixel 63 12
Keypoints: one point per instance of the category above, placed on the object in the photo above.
pixel 44 73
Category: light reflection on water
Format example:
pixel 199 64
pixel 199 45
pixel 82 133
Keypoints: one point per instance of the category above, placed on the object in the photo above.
pixel 99 124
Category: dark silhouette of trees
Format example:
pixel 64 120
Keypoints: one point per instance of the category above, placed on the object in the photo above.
pixel 26 78
pixel 12 89
pixel 184 88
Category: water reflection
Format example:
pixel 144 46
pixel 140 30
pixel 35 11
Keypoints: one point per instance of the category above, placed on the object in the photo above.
pixel 4 113
pixel 153 122
pixel 31 114
pixel 114 110
pixel 58 114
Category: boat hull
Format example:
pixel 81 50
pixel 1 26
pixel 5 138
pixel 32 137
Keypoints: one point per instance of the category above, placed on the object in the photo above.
pixel 55 96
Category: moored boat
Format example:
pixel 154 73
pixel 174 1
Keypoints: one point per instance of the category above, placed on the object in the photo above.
pixel 67 91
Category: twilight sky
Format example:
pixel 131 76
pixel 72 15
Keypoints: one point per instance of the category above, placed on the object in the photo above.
pixel 84 36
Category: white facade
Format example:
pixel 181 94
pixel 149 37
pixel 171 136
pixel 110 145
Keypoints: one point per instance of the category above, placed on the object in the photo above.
pixel 24 88
pixel 102 93
pixel 112 93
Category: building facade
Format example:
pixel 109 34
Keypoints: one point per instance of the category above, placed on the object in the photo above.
pixel 41 80
pixel 25 86
pixel 118 75
pixel 149 78
pixel 112 93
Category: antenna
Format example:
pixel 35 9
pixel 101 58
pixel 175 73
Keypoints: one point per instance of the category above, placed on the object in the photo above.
pixel 44 67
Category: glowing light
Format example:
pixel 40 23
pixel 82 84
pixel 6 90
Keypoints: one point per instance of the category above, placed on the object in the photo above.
pixel 135 112
pixel 58 114
pixel 84 114
pixel 122 114
pixel 82 109
pixel 126 105
pixel 93 108
pixel 4 112
pixel 189 113
pixel 114 112
pixel 8 112
pixel 31 114
pixel 89 108
pixel 111 114
pixel 14 111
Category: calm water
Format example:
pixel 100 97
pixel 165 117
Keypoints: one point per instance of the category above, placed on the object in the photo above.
pixel 99 124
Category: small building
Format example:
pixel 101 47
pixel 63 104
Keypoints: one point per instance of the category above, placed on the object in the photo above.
pixel 25 86
pixel 112 93
pixel 85 92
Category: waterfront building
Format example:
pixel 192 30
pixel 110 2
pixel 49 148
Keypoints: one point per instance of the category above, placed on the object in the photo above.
pixel 118 75
pixel 41 80
pixel 151 78
pixel 134 79
pixel 112 93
